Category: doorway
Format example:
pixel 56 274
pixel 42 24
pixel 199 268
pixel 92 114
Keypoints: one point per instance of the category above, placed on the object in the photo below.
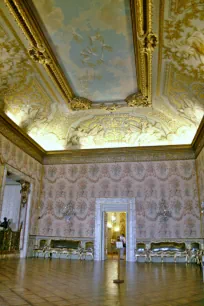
pixel 105 205
pixel 15 205
pixel 115 227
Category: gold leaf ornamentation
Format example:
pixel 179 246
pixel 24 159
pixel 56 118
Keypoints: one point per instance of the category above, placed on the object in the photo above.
pixel 145 42
pixel 80 103
pixel 136 100
pixel 39 51
pixel 184 36
pixel 110 108
pixel 19 65
pixel 39 55
pixel 151 42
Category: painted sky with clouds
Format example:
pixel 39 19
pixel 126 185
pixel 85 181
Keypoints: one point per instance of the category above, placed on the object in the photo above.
pixel 93 43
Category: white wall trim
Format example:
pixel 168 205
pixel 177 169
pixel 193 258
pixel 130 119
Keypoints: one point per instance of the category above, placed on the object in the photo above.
pixel 116 204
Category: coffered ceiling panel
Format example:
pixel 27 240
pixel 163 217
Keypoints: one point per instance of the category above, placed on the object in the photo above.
pixel 93 41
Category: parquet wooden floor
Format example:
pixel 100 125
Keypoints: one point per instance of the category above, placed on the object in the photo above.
pixel 71 282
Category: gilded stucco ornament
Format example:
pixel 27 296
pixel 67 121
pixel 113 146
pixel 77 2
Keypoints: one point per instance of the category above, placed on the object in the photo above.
pixel 80 103
pixel 150 42
pixel 25 190
pixel 111 108
pixel 145 42
pixel 136 100
pixel 39 51
pixel 39 55
pixel 184 38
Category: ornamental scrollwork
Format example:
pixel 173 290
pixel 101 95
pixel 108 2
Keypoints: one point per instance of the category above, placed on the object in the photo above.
pixel 39 55
pixel 110 108
pixel 136 100
pixel 80 103
pixel 145 43
pixel 151 42
pixel 25 190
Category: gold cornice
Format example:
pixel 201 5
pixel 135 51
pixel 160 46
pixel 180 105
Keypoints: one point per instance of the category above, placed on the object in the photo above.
pixel 12 132
pixel 198 140
pixel 39 49
pixel 123 149
pixel 145 42
pixel 120 155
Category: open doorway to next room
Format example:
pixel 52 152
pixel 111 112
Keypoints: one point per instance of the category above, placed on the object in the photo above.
pixel 115 230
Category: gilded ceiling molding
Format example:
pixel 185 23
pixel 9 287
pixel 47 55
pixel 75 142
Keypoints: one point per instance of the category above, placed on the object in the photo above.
pixel 79 103
pixel 39 49
pixel 160 46
pixel 121 155
pixel 145 42
pixel 11 131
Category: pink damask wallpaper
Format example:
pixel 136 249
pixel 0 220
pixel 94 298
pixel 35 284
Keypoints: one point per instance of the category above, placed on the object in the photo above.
pixel 166 197
pixel 18 159
pixel 200 172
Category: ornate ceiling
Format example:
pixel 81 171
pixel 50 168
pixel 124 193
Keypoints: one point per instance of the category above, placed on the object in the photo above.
pixel 103 74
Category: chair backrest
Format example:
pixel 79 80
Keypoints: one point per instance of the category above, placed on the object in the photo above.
pixel 67 244
pixel 195 246
pixel 140 247
pixel 168 246
pixel 43 243
pixel 89 245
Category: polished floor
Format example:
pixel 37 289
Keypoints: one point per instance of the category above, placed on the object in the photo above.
pixel 71 282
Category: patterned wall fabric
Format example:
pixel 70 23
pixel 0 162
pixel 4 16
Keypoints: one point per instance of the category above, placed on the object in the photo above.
pixel 15 157
pixel 166 197
pixel 200 172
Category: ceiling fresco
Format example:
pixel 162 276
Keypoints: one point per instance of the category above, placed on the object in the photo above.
pixel 93 44
pixel 93 41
